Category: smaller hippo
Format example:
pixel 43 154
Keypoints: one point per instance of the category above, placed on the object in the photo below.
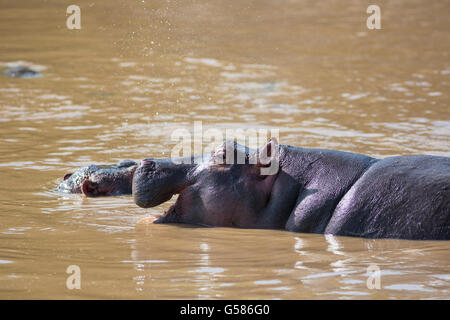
pixel 22 72
pixel 100 180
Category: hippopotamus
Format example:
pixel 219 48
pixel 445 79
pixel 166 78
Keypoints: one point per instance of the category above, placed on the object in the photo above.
pixel 312 191
pixel 100 180
pixel 22 72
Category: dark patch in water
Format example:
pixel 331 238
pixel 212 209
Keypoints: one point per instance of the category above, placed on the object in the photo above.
pixel 22 72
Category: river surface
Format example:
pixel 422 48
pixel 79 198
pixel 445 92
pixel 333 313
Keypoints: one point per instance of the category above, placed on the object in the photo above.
pixel 138 70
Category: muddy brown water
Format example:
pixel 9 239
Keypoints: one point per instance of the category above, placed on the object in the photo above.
pixel 117 89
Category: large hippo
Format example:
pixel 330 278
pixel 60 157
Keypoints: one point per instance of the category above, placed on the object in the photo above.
pixel 314 191
pixel 100 180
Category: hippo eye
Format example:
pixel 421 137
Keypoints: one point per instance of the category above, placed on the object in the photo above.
pixel 67 176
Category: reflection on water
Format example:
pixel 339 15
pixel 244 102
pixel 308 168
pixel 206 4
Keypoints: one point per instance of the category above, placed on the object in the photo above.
pixel 210 262
pixel 117 88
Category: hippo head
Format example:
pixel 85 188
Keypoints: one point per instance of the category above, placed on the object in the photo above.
pixel 214 192
pixel 100 180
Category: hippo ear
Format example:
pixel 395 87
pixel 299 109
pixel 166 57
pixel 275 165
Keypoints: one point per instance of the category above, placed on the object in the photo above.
pixel 126 163
pixel 90 189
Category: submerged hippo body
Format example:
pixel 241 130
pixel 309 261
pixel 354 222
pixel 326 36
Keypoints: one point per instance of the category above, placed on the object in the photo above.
pixel 100 180
pixel 314 191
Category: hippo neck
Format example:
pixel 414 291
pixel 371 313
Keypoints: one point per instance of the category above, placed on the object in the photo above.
pixel 306 163
pixel 324 177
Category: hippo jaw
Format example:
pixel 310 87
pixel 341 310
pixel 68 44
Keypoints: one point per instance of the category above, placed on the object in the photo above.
pixel 170 216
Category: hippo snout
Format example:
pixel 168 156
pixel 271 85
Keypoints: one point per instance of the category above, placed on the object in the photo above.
pixel 156 181
pixel 141 187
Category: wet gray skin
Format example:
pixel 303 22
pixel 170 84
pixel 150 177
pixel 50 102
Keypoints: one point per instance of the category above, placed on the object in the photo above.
pixel 313 191
pixel 100 180
pixel 22 72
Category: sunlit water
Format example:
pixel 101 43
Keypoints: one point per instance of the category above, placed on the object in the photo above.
pixel 117 88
